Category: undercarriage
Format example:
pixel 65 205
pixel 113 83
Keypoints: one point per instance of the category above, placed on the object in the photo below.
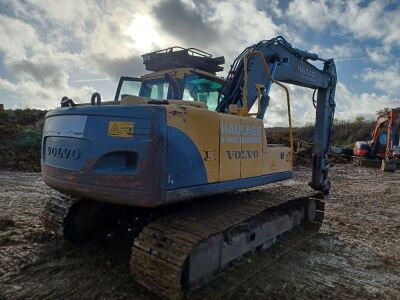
pixel 178 249
pixel 385 164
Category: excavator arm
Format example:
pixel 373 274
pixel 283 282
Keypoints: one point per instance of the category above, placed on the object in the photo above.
pixel 394 114
pixel 280 62
pixel 381 122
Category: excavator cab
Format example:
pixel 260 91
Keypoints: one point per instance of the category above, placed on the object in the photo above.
pixel 174 84
pixel 381 143
pixel 177 74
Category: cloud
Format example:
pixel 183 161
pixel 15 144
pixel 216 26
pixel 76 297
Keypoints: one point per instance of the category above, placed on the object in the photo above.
pixel 379 55
pixel 242 24
pixel 117 67
pixel 338 52
pixel 351 105
pixel 31 94
pixel 186 23
pixel 66 12
pixel 43 45
pixel 313 14
pixel 46 74
pixel 6 85
pixel 386 80
pixel 302 110
pixel 270 6
pixel 371 20
pixel 17 38
pixel 219 27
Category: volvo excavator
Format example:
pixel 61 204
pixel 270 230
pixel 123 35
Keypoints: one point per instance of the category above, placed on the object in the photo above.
pixel 173 139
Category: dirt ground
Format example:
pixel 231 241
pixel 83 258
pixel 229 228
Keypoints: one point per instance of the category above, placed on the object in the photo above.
pixel 355 255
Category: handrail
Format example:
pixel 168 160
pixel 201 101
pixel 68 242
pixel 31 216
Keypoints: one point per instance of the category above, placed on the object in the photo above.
pixel 245 111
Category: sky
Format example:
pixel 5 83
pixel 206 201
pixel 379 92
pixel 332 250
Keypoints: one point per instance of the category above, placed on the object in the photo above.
pixel 51 49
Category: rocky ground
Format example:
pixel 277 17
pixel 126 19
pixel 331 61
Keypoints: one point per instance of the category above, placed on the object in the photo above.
pixel 355 255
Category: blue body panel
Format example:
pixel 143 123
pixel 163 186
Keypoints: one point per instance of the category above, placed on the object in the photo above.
pixel 224 187
pixel 108 168
pixel 185 166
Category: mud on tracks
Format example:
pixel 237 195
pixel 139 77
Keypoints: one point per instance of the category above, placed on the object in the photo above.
pixel 355 255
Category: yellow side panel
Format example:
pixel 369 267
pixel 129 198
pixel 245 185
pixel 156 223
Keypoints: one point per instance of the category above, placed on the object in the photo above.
pixel 202 127
pixel 230 147
pixel 252 144
pixel 276 159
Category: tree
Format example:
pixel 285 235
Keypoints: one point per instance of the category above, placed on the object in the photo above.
pixel 383 112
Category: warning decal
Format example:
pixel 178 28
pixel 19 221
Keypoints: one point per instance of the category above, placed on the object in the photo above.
pixel 121 129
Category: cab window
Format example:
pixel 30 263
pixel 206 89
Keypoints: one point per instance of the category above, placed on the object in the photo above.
pixel 382 140
pixel 129 87
pixel 155 89
pixel 202 89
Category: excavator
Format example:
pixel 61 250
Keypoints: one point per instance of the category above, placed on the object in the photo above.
pixel 383 149
pixel 171 141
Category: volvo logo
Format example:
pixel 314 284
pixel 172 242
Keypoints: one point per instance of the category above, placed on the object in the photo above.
pixel 242 154
pixel 307 72
pixel 63 152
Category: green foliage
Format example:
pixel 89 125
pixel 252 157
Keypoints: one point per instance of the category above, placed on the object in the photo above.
pixel 20 139
pixel 344 133
pixel 21 117
pixel 383 111
pixel 28 116
pixel 28 140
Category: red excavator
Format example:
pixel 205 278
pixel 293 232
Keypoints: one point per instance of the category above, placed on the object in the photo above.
pixel 383 150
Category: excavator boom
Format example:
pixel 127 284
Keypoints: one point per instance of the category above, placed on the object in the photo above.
pixel 289 65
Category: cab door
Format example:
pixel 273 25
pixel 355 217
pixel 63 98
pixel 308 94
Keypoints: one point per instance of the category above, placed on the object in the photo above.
pixel 128 86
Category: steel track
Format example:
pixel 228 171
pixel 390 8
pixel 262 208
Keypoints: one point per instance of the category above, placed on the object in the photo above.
pixel 161 250
pixel 55 213
pixel 228 282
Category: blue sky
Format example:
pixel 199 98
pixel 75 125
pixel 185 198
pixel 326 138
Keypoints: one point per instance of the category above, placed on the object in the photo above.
pixel 68 47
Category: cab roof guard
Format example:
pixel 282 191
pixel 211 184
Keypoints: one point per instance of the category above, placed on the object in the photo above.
pixel 179 57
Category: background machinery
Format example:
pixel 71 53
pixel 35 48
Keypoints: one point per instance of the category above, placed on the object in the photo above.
pixel 383 149
pixel 180 133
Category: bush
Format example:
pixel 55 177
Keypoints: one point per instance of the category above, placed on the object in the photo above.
pixel 20 139
pixel 28 140
pixel 344 133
